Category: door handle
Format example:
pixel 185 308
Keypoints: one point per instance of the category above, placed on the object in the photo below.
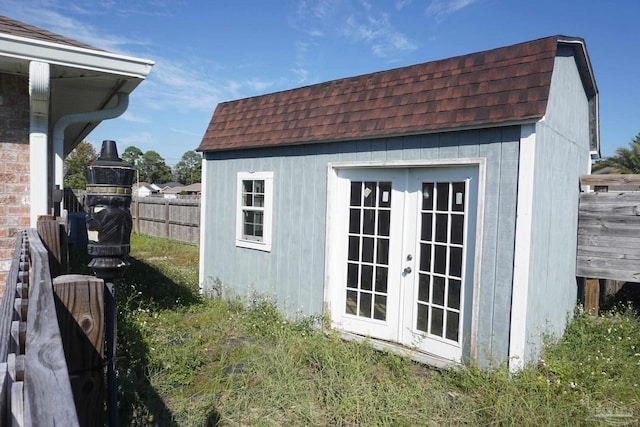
pixel 407 270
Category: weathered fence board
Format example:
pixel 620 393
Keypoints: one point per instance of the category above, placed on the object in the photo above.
pixel 610 179
pixel 45 359
pixel 80 308
pixel 609 231
pixel 176 219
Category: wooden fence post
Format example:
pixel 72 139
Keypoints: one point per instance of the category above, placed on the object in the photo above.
pixel 54 237
pixel 592 296
pixel 80 309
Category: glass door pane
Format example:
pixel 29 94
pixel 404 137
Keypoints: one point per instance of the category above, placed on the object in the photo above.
pixel 368 249
pixel 441 260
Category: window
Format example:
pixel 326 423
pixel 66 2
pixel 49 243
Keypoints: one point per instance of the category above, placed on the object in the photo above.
pixel 254 213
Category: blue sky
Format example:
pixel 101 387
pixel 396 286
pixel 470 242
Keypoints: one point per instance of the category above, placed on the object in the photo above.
pixel 210 51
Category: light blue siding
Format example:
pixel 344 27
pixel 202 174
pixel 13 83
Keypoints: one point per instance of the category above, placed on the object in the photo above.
pixel 293 272
pixel 562 155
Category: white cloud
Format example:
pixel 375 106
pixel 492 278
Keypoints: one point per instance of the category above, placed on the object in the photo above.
pixel 358 21
pixel 302 73
pixel 186 132
pixel 130 117
pixel 441 8
pixel 385 40
pixel 401 4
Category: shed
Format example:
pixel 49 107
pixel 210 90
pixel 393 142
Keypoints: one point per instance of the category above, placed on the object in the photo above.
pixel 431 208
pixel 54 92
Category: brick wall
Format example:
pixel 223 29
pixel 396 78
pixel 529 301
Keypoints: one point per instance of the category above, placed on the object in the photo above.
pixel 14 165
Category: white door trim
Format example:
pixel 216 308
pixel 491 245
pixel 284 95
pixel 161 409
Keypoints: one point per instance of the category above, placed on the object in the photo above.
pixel 332 224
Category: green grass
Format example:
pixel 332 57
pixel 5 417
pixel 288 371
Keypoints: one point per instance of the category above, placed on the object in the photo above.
pixel 189 361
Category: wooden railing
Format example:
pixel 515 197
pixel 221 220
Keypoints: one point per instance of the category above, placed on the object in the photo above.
pixel 35 388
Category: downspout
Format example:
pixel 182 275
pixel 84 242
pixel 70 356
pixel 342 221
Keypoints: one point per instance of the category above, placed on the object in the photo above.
pixel 89 117
pixel 39 84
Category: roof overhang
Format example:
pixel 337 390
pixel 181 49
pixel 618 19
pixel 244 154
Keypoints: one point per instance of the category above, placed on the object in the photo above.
pixel 82 80
pixel 591 89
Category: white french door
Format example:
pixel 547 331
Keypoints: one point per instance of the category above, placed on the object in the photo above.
pixel 402 265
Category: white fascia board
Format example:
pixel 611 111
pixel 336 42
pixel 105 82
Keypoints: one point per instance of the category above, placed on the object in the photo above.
pixel 75 57
pixel 522 255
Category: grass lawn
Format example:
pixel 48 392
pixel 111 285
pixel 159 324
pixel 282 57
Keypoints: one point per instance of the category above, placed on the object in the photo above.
pixel 188 361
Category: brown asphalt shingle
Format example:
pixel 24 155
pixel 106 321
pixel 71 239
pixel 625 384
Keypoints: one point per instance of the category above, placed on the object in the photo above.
pixel 20 29
pixel 508 84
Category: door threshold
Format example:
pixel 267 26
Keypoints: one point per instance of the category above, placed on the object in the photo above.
pixel 413 354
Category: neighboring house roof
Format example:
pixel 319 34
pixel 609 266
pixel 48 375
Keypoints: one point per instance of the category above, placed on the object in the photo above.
pixel 494 87
pixel 83 78
pixel 168 185
pixel 192 188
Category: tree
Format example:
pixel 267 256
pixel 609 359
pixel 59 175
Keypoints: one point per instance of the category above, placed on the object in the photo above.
pixel 132 155
pixel 189 169
pixel 626 160
pixel 75 163
pixel 153 169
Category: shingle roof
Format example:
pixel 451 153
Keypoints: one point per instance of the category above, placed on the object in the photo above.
pixel 508 84
pixel 20 29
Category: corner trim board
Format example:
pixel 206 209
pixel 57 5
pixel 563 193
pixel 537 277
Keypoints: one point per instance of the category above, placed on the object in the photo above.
pixel 522 255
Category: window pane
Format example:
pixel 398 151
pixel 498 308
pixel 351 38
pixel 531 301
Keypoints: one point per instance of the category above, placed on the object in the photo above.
pixel 367 249
pixel 367 277
pixel 247 186
pixel 440 259
pixel 354 221
pixel 422 322
pixel 438 290
pixel 425 257
pixel 453 297
pixel 258 186
pixel 247 199
pixel 365 305
pixel 425 234
pixel 385 195
pixel 437 320
pixel 380 307
pixel 382 256
pixel 352 275
pixel 457 229
pixel 258 200
pixel 442 189
pixel 384 221
pixel 423 288
pixel 453 325
pixel 352 302
pixel 458 197
pixel 356 192
pixel 368 221
pixel 455 263
pixel 381 279
pixel 441 227
pixel 248 230
pixel 369 194
pixel 427 196
pixel 354 248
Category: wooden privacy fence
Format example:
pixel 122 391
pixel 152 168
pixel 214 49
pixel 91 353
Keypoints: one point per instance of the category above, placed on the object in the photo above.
pixel 176 219
pixel 608 232
pixel 50 342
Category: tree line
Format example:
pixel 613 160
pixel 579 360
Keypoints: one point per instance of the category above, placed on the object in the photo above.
pixel 149 165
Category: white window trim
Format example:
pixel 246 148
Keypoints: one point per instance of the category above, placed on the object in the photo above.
pixel 265 244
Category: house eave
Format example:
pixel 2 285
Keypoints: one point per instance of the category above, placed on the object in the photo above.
pixel 26 49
